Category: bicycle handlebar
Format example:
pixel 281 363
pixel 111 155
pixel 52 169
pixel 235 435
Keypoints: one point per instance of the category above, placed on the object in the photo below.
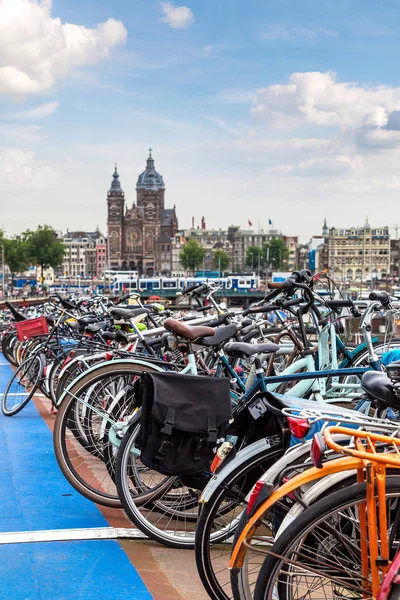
pixel 191 288
pixel 382 297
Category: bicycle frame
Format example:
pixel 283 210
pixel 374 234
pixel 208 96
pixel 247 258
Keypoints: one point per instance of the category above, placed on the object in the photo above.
pixel 371 468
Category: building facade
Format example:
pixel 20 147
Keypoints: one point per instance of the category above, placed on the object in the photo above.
pixel 241 241
pixel 211 240
pixel 135 234
pixel 359 253
pixel 85 254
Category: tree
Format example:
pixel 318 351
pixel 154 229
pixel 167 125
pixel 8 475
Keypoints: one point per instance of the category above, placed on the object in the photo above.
pixel 275 254
pixel 254 257
pixel 191 256
pixel 44 248
pixel 221 260
pixel 15 255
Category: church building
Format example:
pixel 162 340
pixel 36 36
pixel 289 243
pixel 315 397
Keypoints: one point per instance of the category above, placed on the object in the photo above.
pixel 135 234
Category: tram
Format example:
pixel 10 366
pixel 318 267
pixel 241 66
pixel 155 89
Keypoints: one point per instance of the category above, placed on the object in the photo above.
pixel 126 281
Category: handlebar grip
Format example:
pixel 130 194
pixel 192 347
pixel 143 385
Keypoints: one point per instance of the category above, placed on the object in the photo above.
pixel 125 297
pixel 276 285
pixel 382 297
pixel 200 289
pixel 190 288
pixel 65 303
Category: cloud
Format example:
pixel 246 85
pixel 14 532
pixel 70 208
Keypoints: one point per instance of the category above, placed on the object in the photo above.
pixel 290 33
pixel 37 49
pixel 319 99
pixel 21 135
pixel 327 166
pixel 378 139
pixel 39 112
pixel 177 17
pixel 222 124
pixel 20 170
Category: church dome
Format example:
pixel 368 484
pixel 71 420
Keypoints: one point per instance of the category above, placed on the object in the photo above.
pixel 150 179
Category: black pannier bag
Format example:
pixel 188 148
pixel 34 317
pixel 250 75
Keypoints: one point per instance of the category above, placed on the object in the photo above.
pixel 183 418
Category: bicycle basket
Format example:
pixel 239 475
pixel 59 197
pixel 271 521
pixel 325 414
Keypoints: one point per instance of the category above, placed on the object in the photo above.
pixel 31 327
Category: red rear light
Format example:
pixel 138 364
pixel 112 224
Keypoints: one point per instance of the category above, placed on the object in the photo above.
pixel 66 361
pixel 298 427
pixel 254 495
pixel 109 355
pixel 317 450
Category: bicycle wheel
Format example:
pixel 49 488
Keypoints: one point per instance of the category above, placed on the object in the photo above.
pixel 318 555
pixel 162 507
pixel 8 346
pixel 22 386
pixel 80 430
pixel 219 518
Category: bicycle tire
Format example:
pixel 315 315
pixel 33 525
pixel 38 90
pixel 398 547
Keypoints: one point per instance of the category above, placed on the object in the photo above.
pixel 34 363
pixel 255 466
pixel 141 507
pixel 320 512
pixel 62 423
pixel 8 344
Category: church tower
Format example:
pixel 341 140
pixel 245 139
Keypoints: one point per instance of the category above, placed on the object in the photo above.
pixel 115 220
pixel 325 230
pixel 150 192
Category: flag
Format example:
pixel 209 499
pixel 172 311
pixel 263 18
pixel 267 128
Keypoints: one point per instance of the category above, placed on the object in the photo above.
pixel 269 221
pixel 250 223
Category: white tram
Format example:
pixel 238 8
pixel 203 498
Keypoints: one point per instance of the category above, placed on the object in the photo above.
pixel 127 281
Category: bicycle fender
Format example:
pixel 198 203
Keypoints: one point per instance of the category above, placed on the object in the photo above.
pixel 121 361
pixel 248 452
pixel 311 495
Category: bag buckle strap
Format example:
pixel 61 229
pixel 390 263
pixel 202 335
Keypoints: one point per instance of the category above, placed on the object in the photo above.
pixel 169 422
pixel 163 450
pixel 212 429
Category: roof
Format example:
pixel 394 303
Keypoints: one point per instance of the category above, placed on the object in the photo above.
pixel 164 238
pixel 167 216
pixel 150 179
pixel 115 184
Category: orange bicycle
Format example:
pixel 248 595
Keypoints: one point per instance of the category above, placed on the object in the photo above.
pixel 346 545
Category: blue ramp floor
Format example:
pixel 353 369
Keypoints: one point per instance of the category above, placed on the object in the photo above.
pixel 34 495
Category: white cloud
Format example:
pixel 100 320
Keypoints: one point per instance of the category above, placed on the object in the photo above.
pixel 326 166
pixel 177 17
pixel 319 99
pixel 21 135
pixel 36 49
pixel 39 112
pixel 20 170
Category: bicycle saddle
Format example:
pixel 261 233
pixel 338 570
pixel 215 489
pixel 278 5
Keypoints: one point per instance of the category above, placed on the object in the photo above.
pixel 190 332
pixel 128 313
pixel 83 321
pixel 378 386
pixel 120 336
pixel 221 334
pixel 241 349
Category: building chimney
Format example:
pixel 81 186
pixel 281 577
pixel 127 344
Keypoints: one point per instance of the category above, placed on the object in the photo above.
pixel 192 222
pixel 203 223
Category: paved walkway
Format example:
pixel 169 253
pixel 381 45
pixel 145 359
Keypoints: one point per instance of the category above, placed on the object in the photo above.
pixel 34 496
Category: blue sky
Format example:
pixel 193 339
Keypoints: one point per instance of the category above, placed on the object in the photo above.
pixel 259 110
